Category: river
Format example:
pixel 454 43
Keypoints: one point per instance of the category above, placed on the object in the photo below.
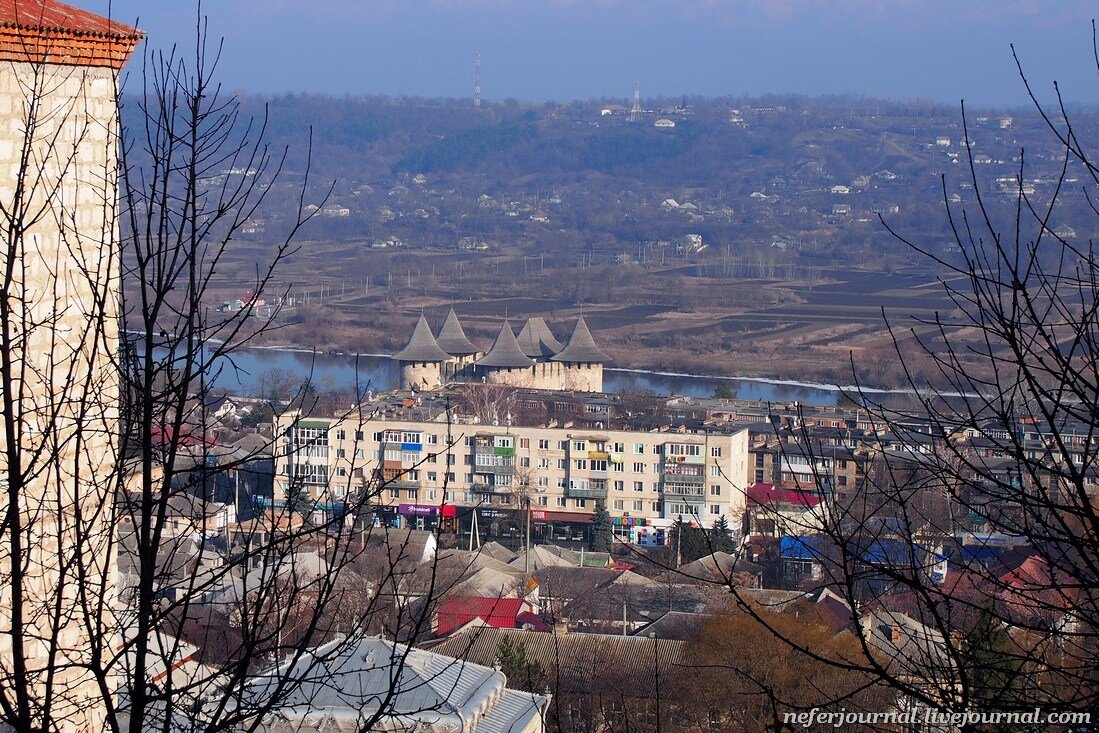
pixel 379 373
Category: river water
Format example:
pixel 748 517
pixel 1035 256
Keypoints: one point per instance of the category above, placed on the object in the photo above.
pixel 379 373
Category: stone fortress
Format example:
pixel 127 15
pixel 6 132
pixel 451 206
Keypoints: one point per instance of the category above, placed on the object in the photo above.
pixel 534 359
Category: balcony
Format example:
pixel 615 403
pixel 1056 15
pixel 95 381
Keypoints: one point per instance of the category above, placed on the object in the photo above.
pixel 589 493
pixel 483 488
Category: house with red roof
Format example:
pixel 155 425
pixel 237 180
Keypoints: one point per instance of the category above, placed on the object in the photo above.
pixel 772 511
pixel 500 613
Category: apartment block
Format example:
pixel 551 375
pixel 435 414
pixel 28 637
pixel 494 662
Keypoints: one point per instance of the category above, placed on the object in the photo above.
pixel 448 466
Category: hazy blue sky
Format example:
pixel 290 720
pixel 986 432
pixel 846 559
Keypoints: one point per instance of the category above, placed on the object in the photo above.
pixel 567 49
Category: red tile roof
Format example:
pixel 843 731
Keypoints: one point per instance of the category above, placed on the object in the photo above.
pixel 49 32
pixel 767 494
pixel 50 15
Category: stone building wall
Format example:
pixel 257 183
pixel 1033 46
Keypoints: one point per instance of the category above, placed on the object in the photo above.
pixel 422 376
pixel 58 183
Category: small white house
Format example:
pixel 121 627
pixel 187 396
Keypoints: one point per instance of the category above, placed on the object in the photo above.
pixel 664 124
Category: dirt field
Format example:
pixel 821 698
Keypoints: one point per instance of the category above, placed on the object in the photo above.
pixel 358 299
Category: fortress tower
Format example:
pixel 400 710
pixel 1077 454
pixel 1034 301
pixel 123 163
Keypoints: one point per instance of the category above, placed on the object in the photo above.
pixel 535 359
pixel 60 270
pixel 421 359
pixel 505 362
pixel 583 359
pixel 452 339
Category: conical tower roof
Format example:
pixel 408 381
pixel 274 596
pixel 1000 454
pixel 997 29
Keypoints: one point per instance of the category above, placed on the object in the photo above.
pixel 422 346
pixel 452 337
pixel 581 347
pixel 505 353
pixel 537 340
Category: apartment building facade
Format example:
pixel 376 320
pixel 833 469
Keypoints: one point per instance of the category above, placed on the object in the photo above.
pixel 433 470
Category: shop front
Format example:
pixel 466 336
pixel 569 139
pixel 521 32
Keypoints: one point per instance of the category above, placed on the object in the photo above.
pixel 548 526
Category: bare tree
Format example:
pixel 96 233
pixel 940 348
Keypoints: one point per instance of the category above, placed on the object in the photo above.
pixel 968 553
pixel 133 598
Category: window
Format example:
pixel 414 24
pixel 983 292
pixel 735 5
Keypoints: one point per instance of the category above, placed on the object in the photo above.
pixel 432 494
pixel 310 473
pixel 599 465
pixel 561 501
pixel 341 471
pixel 450 477
pixel 655 507
pixel 715 490
pixel 310 442
pixel 618 447
pixel 562 445
pixel 715 509
pixel 581 464
pixel 341 453
pixel 638 448
pixel 543 501
pixel 759 477
pixel 639 467
pixel 715 470
pixel 543 463
pixel 432 439
pixel 619 485
pixel 359 453
pixel 638 485
pixel 378 437
pixel 561 464
pixel 543 482
pixel 579 446
pixel 682 449
pixel 450 497
pixel 394 493
pixel 358 435
pixel 715 451
pixel 639 506
pixel 432 457
pixel 524 442
pixel 524 462
pixel 759 460
pixel 543 445
pixel 842 480
pixel 579 503
pixel 341 434
pixel 432 477
pixel 619 505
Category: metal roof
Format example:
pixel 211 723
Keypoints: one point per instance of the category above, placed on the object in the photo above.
pixel 537 340
pixel 581 347
pixel 632 656
pixel 422 347
pixel 505 353
pixel 452 337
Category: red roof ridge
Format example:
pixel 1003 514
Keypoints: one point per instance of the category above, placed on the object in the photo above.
pixel 54 16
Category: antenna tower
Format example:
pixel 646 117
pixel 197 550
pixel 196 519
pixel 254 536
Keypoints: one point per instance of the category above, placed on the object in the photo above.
pixel 476 80
pixel 635 111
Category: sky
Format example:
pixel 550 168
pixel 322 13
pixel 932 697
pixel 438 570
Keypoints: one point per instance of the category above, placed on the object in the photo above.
pixel 944 50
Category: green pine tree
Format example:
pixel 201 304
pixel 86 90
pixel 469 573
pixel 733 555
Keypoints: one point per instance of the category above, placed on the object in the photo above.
pixel 511 658
pixel 721 537
pixel 602 536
